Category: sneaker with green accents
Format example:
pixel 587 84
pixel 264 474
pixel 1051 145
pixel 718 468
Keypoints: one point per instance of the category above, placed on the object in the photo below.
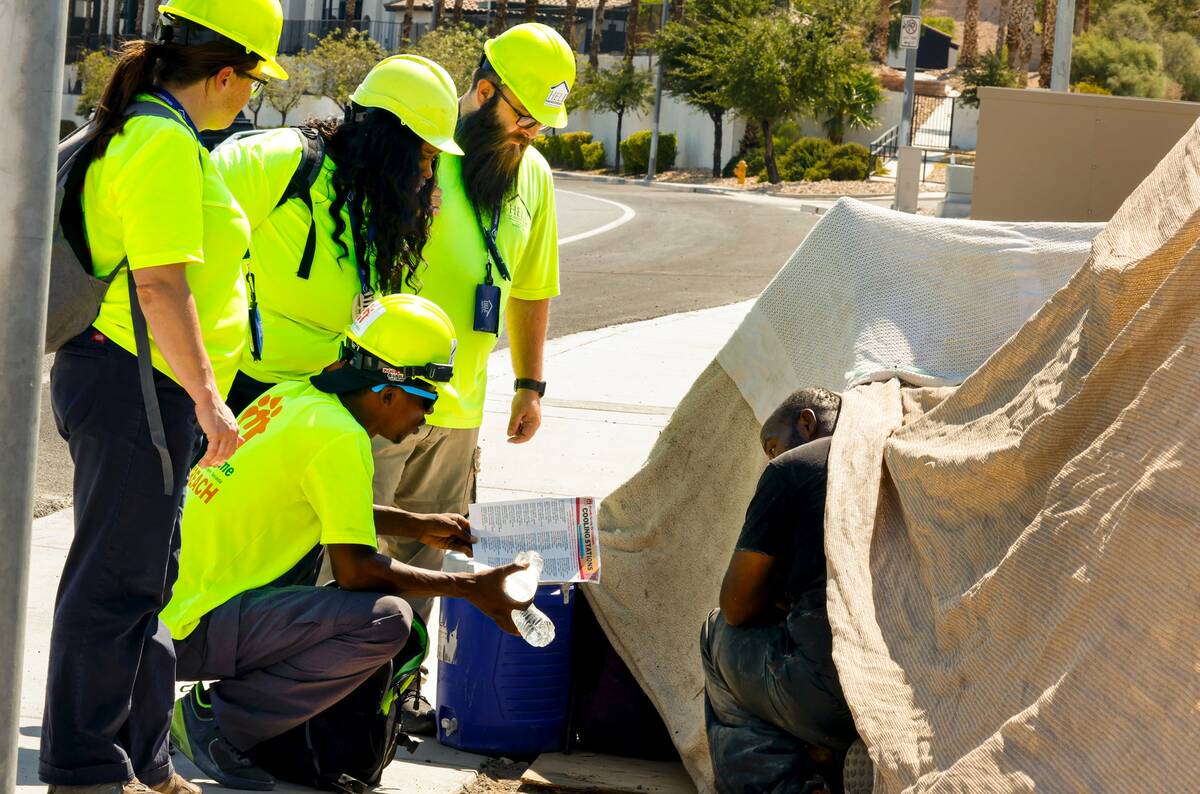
pixel 195 733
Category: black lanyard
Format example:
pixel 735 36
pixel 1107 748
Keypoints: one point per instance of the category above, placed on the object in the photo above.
pixel 489 242
pixel 360 246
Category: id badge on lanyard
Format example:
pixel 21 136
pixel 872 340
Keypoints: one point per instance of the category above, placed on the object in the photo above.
pixel 487 294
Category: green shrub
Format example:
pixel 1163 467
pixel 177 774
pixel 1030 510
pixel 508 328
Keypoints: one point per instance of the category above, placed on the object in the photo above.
pixel 803 155
pixel 944 24
pixel 1090 88
pixel 990 71
pixel 848 168
pixel 1124 66
pixel 818 173
pixel 1181 60
pixel 565 150
pixel 635 152
pixel 594 157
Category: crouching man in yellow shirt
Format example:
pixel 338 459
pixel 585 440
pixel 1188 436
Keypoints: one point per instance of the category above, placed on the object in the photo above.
pixel 245 610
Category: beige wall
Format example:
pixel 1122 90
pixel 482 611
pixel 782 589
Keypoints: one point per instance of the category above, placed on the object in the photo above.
pixel 1046 156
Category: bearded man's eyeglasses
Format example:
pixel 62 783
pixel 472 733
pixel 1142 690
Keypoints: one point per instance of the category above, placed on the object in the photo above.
pixel 524 121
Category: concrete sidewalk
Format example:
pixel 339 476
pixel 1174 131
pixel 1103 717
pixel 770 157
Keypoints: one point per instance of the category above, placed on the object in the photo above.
pixel 610 393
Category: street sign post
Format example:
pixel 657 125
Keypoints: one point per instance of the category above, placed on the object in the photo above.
pixel 910 32
pixel 652 165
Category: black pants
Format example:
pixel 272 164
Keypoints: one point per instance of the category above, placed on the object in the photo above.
pixel 282 655
pixel 770 693
pixel 111 675
pixel 244 391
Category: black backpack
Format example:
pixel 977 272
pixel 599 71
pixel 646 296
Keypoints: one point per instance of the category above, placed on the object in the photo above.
pixel 346 747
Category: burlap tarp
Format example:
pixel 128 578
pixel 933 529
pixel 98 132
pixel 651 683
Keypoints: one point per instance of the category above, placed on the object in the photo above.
pixel 1014 563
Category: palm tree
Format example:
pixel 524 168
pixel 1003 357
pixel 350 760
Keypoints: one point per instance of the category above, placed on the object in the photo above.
pixel 406 32
pixel 597 34
pixel 104 24
pixel 970 45
pixel 1083 16
pixel 500 20
pixel 1020 35
pixel 1049 24
pixel 569 24
pixel 87 25
pixel 531 9
pixel 458 11
pixel 879 35
pixel 850 103
pixel 351 7
pixel 1002 26
pixel 631 30
pixel 138 27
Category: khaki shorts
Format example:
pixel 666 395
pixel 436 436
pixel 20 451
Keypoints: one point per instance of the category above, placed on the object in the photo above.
pixel 432 471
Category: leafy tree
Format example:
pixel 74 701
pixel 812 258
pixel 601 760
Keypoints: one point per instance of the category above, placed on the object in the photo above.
pixel 457 48
pixel 1124 66
pixel 991 71
pixel 850 102
pixel 782 62
pixel 690 73
pixel 94 70
pixel 1129 20
pixel 1181 60
pixel 1179 16
pixel 340 61
pixel 619 89
pixel 285 95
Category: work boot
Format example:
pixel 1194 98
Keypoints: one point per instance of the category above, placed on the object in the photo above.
pixel 195 733
pixel 177 784
pixel 134 786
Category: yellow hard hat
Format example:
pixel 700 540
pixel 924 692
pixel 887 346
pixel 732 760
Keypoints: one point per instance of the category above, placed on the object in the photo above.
pixel 535 62
pixel 255 24
pixel 404 341
pixel 417 91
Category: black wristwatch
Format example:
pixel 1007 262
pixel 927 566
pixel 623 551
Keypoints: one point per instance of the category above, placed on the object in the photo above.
pixel 538 386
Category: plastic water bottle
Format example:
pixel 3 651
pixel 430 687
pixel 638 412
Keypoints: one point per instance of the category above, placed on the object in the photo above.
pixel 535 627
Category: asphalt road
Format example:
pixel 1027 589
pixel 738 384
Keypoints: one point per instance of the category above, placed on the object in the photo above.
pixel 627 253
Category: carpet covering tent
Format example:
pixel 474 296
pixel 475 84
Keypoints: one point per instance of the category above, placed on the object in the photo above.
pixel 1014 560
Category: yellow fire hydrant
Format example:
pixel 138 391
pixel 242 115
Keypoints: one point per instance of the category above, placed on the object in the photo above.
pixel 739 171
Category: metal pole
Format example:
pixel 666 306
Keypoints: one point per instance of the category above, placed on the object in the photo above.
pixel 652 165
pixel 910 77
pixel 32 52
pixel 1064 29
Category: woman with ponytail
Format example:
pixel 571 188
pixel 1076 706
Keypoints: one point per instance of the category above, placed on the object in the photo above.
pixel 358 233
pixel 155 211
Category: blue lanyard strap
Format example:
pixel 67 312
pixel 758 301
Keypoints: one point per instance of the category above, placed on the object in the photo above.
pixel 173 103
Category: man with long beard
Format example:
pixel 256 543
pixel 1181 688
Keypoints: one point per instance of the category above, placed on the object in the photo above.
pixel 492 255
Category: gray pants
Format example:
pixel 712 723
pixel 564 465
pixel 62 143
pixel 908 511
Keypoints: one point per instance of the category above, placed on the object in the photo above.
pixel 281 655
pixel 768 692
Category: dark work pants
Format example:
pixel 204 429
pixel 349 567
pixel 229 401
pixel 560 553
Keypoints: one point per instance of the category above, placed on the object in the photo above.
pixel 111 675
pixel 769 691
pixel 244 391
pixel 284 654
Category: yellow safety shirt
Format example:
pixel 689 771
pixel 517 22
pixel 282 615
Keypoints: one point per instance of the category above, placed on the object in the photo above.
pixel 303 318
pixel 302 478
pixel 455 259
pixel 155 198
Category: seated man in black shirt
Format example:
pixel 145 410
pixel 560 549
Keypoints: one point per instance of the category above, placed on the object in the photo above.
pixel 774 709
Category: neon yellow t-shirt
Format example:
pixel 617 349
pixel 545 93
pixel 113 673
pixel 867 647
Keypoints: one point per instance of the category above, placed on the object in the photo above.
pixel 155 198
pixel 303 319
pixel 302 478
pixel 455 256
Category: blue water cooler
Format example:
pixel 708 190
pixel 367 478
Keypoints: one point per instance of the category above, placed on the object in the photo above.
pixel 496 694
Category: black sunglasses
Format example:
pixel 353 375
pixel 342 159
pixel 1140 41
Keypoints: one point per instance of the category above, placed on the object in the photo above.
pixel 524 121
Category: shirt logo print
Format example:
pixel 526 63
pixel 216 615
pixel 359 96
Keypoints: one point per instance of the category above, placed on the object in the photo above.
pixel 259 415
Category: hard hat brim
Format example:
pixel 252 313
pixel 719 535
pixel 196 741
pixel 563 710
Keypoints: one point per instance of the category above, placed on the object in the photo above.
pixel 270 67
pixel 448 146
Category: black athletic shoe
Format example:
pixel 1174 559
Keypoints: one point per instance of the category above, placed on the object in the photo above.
pixel 195 733
pixel 417 715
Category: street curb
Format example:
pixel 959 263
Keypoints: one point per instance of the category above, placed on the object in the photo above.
pixel 720 191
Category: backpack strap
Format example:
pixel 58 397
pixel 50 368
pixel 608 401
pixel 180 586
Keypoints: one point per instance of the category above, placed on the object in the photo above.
pixel 141 334
pixel 312 157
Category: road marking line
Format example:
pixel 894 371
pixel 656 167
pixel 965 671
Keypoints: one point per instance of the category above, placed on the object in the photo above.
pixel 627 214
